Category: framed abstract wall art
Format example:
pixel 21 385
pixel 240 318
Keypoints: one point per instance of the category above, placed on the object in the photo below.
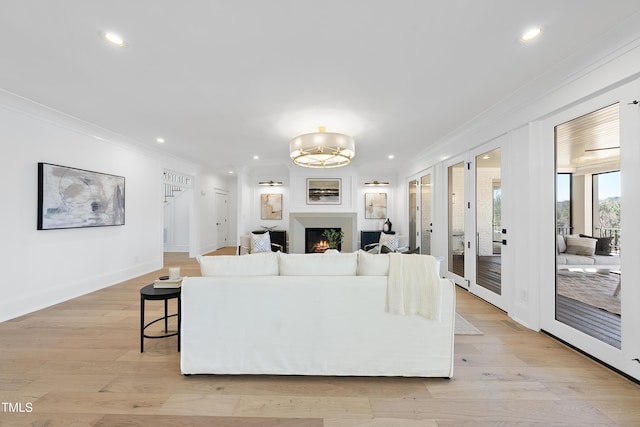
pixel 375 205
pixel 75 198
pixel 271 206
pixel 324 191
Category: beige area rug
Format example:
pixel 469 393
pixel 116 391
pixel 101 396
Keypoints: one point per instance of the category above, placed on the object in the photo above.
pixel 595 289
pixel 464 327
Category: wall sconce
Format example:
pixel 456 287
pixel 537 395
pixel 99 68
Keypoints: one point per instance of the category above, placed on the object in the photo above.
pixel 270 183
pixel 453 198
pixel 376 183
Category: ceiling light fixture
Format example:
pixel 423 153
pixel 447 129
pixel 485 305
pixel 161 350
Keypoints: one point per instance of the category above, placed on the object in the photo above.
pixel 531 34
pixel 391 157
pixel 322 149
pixel 114 38
pixel 376 183
pixel 270 183
pixel 160 140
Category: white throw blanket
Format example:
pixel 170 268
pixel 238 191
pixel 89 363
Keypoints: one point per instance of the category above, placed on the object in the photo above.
pixel 413 285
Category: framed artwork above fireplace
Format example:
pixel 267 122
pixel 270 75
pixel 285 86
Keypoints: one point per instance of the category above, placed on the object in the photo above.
pixel 324 191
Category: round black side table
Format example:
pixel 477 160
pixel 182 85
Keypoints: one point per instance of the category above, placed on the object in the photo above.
pixel 158 294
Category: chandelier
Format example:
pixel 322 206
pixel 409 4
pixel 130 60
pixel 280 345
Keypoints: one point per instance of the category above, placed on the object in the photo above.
pixel 322 149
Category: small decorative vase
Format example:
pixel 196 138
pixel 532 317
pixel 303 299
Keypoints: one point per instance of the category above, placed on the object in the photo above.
pixel 386 227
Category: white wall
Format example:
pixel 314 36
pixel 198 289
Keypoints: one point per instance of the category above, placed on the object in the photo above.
pixel 49 266
pixel 293 190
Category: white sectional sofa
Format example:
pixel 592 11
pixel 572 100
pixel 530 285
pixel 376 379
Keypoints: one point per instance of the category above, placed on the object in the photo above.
pixel 575 251
pixel 309 314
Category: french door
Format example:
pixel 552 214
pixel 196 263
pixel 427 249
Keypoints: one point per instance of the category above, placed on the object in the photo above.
pixel 426 213
pixel 595 169
pixel 458 246
pixel 477 236
pixel 421 212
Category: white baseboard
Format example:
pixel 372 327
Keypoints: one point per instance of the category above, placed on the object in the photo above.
pixel 52 293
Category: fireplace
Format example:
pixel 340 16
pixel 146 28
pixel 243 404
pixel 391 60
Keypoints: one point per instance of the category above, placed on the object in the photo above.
pixel 315 242
pixel 300 221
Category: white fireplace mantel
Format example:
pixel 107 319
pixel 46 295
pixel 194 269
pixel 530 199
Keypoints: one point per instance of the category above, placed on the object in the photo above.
pixel 298 221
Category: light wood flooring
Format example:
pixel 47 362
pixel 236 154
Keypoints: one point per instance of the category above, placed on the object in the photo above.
pixel 593 321
pixel 79 363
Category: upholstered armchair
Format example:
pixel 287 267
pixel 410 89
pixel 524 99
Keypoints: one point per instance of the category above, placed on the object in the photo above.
pixel 388 242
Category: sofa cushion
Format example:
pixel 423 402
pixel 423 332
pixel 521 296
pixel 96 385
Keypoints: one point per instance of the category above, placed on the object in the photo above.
pixel 372 264
pixel 580 245
pixel 603 244
pixel 260 264
pixel 577 260
pixel 260 242
pixel 327 264
pixel 606 259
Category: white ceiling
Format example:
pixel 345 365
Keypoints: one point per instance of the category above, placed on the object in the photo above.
pixel 222 81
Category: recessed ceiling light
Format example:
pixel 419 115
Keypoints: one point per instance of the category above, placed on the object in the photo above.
pixel 256 157
pixel 391 156
pixel 230 172
pixel 113 38
pixel 531 34
pixel 160 140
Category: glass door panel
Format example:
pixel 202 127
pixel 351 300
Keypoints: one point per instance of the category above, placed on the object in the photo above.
pixel 425 219
pixel 413 204
pixel 456 200
pixel 588 233
pixel 489 221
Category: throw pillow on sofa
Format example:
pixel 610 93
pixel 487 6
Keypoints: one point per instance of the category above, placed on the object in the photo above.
pixel 561 244
pixel 580 245
pixel 603 244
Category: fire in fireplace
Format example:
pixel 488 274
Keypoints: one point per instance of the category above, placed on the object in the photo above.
pixel 315 242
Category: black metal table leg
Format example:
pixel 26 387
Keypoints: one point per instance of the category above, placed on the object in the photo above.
pixel 141 323
pixel 149 292
pixel 166 314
